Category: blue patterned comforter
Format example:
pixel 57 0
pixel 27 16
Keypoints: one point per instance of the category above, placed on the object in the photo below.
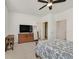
pixel 56 49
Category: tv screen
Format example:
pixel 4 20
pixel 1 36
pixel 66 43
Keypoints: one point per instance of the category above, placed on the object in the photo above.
pixel 26 28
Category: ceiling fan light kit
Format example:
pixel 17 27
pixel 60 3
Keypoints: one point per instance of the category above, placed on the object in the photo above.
pixel 49 3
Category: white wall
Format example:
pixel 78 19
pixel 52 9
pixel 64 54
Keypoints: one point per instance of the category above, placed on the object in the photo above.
pixel 52 18
pixel 17 18
pixel 68 16
pixel 51 26
pixel 6 21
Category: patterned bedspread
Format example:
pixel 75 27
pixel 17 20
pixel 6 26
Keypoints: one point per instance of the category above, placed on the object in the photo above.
pixel 55 49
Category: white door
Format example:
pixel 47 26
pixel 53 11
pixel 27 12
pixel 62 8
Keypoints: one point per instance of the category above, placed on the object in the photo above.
pixel 61 29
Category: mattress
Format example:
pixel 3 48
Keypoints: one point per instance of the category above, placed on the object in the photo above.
pixel 56 49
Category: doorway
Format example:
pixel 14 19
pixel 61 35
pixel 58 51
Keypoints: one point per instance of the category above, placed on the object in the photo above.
pixel 46 30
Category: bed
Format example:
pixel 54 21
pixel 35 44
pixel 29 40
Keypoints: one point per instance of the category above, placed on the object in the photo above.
pixel 56 49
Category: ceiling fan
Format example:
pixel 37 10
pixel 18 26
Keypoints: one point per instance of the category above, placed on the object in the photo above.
pixel 49 3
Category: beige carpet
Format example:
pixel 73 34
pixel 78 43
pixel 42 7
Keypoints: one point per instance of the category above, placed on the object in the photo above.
pixel 22 51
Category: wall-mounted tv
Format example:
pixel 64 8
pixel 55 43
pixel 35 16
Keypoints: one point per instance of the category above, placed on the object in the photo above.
pixel 26 28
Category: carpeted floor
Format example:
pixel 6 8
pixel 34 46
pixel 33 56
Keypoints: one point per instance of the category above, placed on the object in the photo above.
pixel 22 51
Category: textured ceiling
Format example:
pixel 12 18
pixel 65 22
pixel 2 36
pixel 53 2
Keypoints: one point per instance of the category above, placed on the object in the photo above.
pixel 31 7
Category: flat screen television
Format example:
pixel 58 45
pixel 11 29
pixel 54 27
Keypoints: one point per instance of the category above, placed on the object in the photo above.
pixel 26 28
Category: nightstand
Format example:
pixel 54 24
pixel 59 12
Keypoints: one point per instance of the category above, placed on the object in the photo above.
pixel 9 42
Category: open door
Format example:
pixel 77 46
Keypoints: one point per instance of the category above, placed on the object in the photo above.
pixel 46 29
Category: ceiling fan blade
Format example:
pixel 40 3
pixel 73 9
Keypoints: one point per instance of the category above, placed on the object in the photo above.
pixel 42 1
pixel 59 1
pixel 43 7
pixel 50 7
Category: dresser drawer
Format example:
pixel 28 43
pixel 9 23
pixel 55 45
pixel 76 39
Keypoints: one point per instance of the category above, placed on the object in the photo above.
pixel 25 38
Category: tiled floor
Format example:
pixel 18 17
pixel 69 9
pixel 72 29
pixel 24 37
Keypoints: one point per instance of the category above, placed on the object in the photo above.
pixel 22 51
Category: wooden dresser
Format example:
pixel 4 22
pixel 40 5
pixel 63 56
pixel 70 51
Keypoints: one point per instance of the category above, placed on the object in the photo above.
pixel 25 37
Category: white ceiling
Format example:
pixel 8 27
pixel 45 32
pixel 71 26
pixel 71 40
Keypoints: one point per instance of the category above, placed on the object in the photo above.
pixel 32 6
